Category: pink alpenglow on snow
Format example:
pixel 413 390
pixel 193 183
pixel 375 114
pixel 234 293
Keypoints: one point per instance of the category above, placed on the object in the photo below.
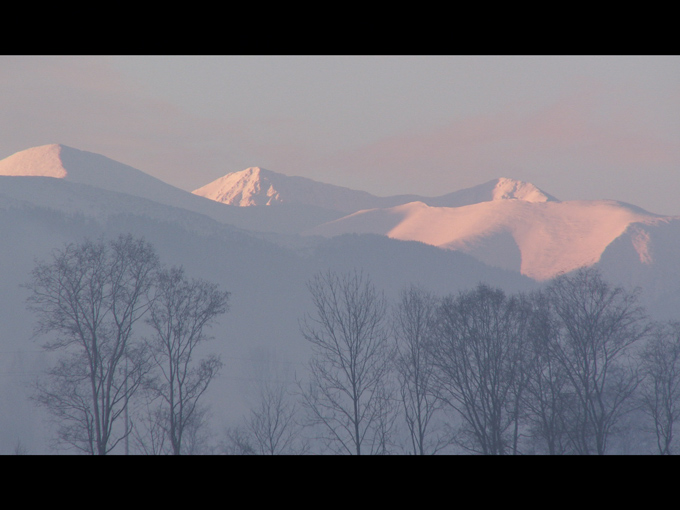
pixel 43 161
pixel 540 238
pixel 505 222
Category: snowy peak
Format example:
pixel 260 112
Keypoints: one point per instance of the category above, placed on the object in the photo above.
pixel 257 187
pixel 43 161
pixel 82 167
pixel 497 189
pixel 63 162
pixel 252 186
pixel 511 189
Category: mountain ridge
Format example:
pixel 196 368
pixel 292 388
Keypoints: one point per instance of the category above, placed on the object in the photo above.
pixel 552 237
pixel 504 222
pixel 256 186
pixel 87 168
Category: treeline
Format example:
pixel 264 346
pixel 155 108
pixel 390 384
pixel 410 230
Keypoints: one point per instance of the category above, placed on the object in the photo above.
pixel 577 367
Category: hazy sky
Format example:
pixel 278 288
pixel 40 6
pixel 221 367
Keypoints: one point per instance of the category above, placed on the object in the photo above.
pixel 579 127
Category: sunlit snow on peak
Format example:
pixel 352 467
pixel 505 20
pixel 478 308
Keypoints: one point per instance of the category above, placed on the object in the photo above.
pixel 43 161
pixel 513 189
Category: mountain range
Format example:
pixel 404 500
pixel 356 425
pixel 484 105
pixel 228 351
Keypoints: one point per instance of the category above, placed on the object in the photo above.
pixel 256 186
pixel 262 235
pixel 504 222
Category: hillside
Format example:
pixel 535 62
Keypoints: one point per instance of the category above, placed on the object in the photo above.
pixel 538 239
pixel 86 168
pixel 40 211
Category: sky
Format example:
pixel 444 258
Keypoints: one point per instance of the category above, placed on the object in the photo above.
pixel 578 127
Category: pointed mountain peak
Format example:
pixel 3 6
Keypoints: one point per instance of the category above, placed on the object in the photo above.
pixel 254 171
pixel 509 189
pixel 256 186
pixel 252 186
pixel 503 188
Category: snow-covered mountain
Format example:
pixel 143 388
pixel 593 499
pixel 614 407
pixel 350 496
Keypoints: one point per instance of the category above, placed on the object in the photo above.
pixel 54 194
pixel 259 187
pixel 504 222
pixel 63 162
pixel 539 239
pixel 94 170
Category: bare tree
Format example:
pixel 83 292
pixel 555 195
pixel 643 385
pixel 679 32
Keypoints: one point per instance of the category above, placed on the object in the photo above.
pixel 239 441
pixel 196 438
pixel 597 324
pixel 181 311
pixel 549 400
pixel 273 423
pixel 91 295
pixel 148 433
pixel 480 357
pixel 271 428
pixel 413 323
pixel 660 395
pixel 348 393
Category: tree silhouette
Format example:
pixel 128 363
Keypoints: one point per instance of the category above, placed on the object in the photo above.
pixel 91 295
pixel 348 393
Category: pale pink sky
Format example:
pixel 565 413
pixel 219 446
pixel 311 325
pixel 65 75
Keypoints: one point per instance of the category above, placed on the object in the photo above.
pixel 578 127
